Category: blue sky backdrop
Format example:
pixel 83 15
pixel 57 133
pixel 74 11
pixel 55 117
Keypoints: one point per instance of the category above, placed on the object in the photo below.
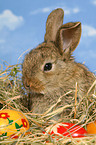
pixel 22 27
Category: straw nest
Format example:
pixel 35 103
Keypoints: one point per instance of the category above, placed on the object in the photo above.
pixel 11 92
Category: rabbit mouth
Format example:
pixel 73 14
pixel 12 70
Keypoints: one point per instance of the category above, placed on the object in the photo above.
pixel 34 86
pixel 37 89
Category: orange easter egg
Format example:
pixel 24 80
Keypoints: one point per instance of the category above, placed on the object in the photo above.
pixel 91 128
pixel 12 123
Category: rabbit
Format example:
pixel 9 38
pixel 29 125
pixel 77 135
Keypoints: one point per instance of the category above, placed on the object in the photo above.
pixel 49 70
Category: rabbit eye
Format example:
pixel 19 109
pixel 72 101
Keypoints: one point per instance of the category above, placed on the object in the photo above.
pixel 48 67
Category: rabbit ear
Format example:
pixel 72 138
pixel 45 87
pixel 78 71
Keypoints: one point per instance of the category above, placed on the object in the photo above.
pixel 68 37
pixel 54 22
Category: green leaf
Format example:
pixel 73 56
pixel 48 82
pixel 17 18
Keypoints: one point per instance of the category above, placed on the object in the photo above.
pixel 10 121
pixel 3 134
pixel 18 126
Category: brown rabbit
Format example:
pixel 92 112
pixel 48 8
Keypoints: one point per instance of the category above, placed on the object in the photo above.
pixel 49 70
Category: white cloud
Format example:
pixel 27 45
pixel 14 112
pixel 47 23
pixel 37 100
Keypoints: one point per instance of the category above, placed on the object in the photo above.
pixel 88 30
pixel 94 2
pixel 9 20
pixel 76 10
pixel 67 11
pixel 43 10
pixel 2 41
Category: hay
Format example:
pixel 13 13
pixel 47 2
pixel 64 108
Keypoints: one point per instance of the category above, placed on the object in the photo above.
pixel 12 90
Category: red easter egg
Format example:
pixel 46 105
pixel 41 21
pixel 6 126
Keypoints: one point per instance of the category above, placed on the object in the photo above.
pixel 66 129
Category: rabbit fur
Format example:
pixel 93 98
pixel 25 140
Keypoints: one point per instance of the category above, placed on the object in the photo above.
pixel 50 70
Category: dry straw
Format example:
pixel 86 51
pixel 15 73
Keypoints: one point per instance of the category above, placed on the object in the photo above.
pixel 83 112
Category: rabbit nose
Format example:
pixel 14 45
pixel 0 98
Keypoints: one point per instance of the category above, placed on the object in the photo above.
pixel 27 85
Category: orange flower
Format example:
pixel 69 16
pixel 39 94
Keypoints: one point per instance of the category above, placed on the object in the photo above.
pixel 4 115
pixel 25 124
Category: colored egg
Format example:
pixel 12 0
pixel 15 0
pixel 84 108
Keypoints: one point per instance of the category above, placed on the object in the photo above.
pixel 66 129
pixel 12 123
pixel 91 128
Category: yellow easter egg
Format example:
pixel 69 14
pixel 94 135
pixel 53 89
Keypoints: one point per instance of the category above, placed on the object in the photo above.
pixel 12 123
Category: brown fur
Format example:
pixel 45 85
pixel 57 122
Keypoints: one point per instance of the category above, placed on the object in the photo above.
pixel 47 86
